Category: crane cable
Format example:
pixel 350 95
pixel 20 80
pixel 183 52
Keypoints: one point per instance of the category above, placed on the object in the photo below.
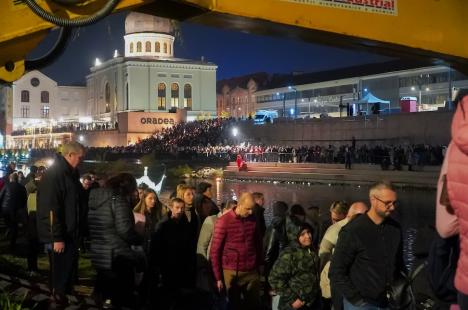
pixel 54 51
pixel 64 22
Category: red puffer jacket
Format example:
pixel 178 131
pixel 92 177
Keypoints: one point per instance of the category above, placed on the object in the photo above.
pixel 457 184
pixel 236 244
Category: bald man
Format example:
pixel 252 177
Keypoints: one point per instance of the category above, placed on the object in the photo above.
pixel 331 235
pixel 326 250
pixel 237 253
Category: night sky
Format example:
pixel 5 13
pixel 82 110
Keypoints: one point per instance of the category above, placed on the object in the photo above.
pixel 235 53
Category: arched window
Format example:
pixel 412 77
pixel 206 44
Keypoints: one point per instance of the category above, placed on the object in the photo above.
pixel 107 92
pixel 175 95
pixel 107 97
pixel 44 96
pixel 162 96
pixel 138 47
pixel 170 52
pixel 126 95
pixel 131 47
pixel 157 47
pixel 165 48
pixel 24 96
pixel 188 97
pixel 148 47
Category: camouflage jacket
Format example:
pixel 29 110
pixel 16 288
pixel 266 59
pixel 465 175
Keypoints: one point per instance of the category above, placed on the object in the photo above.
pixel 296 275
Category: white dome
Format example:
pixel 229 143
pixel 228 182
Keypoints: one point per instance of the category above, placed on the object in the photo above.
pixel 148 36
pixel 139 22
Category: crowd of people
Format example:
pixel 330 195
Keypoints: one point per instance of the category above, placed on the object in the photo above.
pixel 149 255
pixel 60 128
pixel 212 140
pixel 194 254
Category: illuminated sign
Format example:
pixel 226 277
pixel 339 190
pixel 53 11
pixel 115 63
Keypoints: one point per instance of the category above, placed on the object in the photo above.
pixel 157 121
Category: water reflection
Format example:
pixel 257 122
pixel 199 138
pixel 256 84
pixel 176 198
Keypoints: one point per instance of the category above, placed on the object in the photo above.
pixel 416 205
pixel 416 212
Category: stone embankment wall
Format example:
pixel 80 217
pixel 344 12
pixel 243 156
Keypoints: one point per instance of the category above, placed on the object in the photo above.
pixel 406 128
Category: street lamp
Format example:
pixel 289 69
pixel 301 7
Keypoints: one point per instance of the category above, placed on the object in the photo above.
pixel 295 100
pixel 235 131
pixel 284 103
pixel 420 81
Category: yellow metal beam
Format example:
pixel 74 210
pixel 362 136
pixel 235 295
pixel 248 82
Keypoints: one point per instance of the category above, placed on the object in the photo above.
pixel 427 28
pixel 21 30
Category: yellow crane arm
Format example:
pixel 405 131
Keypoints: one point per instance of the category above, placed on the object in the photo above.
pixel 433 30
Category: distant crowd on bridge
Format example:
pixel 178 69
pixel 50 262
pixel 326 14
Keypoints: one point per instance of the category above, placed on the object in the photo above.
pixel 213 140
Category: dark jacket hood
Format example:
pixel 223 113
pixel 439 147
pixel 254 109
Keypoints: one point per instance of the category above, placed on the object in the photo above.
pixel 98 197
pixel 277 222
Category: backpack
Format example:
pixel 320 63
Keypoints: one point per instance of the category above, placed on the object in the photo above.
pixel 32 202
pixel 442 265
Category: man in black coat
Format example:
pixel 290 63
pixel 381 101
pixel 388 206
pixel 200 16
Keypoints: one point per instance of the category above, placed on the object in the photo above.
pixel 13 200
pixel 172 253
pixel 203 203
pixel 59 216
pixel 259 211
pixel 368 255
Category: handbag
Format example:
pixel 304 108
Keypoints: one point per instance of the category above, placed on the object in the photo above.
pixel 400 293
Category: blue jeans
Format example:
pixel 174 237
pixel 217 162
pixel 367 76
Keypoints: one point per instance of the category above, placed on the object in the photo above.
pixel 348 306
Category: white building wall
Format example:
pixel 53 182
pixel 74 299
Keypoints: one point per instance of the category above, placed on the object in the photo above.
pixel 73 103
pixel 143 78
pixel 112 74
pixel 139 87
pixel 208 94
pixel 35 105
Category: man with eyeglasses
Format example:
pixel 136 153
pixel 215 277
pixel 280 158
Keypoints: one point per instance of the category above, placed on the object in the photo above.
pixel 368 255
pixel 59 218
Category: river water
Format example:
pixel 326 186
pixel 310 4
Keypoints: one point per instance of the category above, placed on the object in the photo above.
pixel 416 205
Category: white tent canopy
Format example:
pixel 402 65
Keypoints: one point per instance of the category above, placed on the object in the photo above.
pixel 371 99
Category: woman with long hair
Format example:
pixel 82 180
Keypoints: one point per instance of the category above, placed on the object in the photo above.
pixel 186 193
pixel 148 212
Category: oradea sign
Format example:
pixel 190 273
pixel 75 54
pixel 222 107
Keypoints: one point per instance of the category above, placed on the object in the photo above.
pixel 157 121
pixel 149 122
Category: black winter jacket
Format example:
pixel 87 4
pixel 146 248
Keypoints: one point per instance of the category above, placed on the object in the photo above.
pixel 205 207
pixel 259 213
pixel 59 191
pixel 366 260
pixel 13 197
pixel 276 241
pixel 173 254
pixel 111 228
